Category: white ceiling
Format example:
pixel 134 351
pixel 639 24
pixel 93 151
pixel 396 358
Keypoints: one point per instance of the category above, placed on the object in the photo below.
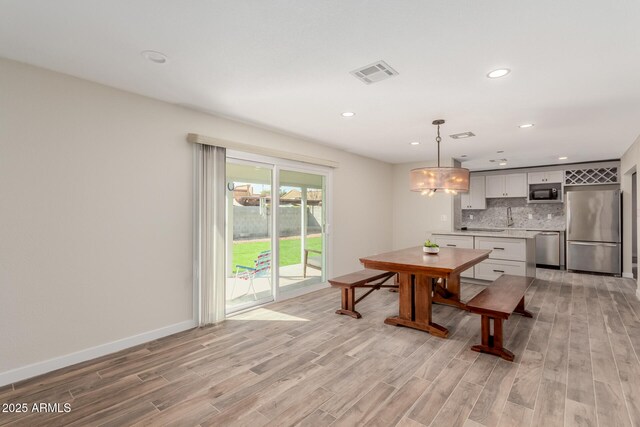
pixel 285 64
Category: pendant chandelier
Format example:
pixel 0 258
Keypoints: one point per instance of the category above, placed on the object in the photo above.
pixel 448 179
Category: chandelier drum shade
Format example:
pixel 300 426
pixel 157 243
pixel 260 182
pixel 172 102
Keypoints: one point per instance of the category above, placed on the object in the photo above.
pixel 448 179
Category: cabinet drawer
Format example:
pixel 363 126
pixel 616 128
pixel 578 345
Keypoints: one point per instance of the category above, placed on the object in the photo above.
pixel 490 269
pixel 453 241
pixel 502 248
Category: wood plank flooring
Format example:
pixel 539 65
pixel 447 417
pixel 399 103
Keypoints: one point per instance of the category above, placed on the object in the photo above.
pixel 298 363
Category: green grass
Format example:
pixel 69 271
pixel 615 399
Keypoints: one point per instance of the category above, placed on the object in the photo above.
pixel 245 253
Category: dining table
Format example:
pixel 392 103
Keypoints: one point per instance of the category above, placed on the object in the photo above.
pixel 423 279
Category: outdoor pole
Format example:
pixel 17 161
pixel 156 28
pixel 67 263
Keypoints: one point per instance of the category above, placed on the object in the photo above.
pixel 303 222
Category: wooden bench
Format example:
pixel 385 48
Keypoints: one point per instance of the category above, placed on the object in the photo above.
pixel 366 278
pixel 501 298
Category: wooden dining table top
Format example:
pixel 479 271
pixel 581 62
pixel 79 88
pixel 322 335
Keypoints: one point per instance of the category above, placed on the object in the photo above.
pixel 414 260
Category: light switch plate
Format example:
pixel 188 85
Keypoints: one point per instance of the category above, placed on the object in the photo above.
pixel 530 216
pixel 548 216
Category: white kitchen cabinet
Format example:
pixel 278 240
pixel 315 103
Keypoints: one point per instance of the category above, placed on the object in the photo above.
pixel 545 177
pixel 495 186
pixel 475 198
pixel 511 185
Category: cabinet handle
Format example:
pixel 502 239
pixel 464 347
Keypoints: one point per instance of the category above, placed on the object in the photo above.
pixel 499 249
pixel 453 246
pixel 498 271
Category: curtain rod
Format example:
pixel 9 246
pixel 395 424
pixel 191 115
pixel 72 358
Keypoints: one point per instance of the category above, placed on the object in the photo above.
pixel 256 149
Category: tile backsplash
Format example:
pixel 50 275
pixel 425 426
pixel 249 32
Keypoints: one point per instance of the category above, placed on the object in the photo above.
pixel 495 216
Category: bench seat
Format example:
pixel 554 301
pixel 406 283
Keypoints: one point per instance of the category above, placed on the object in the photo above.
pixel 496 303
pixel 366 278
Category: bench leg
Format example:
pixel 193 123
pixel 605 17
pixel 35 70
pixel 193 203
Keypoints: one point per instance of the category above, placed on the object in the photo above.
pixel 349 303
pixel 520 309
pixel 396 282
pixel 492 344
pixel 304 264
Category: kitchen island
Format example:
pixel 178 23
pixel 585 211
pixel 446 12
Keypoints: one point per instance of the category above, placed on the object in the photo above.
pixel 512 251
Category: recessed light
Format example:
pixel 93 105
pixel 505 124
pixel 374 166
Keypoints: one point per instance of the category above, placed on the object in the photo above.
pixel 414 143
pixel 503 163
pixel 348 114
pixel 526 125
pixel 462 135
pixel 500 72
pixel 563 158
pixel 153 56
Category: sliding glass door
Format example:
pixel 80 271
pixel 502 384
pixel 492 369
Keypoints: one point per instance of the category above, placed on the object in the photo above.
pixel 300 230
pixel 249 235
pixel 264 265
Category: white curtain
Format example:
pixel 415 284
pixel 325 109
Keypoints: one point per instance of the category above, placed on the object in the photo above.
pixel 210 232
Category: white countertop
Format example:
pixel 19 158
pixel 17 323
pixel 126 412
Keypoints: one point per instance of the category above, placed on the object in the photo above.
pixel 510 233
pixel 517 228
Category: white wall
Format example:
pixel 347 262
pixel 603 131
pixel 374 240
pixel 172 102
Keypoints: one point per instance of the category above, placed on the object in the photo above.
pixel 96 211
pixel 416 216
pixel 629 163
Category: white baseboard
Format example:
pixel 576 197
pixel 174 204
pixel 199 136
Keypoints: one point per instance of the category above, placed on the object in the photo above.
pixel 45 366
pixel 628 275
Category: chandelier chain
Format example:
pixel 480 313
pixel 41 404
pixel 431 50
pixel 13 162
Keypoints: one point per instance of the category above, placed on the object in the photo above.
pixel 438 139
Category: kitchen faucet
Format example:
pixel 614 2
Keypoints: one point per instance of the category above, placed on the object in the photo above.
pixel 509 217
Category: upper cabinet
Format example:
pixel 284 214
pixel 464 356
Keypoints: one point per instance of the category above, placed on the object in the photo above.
pixel 475 198
pixel 511 185
pixel 549 177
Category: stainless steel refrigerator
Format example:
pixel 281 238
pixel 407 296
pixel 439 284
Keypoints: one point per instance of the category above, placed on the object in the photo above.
pixel 594 227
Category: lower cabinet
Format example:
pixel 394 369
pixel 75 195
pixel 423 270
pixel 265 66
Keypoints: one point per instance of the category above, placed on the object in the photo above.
pixel 508 256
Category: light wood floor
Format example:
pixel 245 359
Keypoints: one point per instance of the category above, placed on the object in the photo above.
pixel 297 363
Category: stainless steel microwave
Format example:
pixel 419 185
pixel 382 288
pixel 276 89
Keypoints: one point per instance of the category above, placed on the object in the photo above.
pixel 544 194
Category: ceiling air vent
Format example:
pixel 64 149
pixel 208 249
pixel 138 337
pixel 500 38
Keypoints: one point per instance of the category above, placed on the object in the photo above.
pixel 462 135
pixel 375 72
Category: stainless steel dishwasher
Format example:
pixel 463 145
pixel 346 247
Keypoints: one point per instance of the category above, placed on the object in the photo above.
pixel 549 249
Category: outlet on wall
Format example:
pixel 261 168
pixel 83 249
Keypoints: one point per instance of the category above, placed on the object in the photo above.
pixel 548 216
pixel 443 218
pixel 530 216
pixel 470 216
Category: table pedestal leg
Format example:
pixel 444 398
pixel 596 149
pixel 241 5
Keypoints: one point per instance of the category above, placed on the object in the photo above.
pixel 449 294
pixel 415 305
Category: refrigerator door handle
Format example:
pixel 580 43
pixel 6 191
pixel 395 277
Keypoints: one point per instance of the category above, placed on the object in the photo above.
pixel 609 245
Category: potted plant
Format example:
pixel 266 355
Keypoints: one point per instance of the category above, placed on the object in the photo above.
pixel 430 247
